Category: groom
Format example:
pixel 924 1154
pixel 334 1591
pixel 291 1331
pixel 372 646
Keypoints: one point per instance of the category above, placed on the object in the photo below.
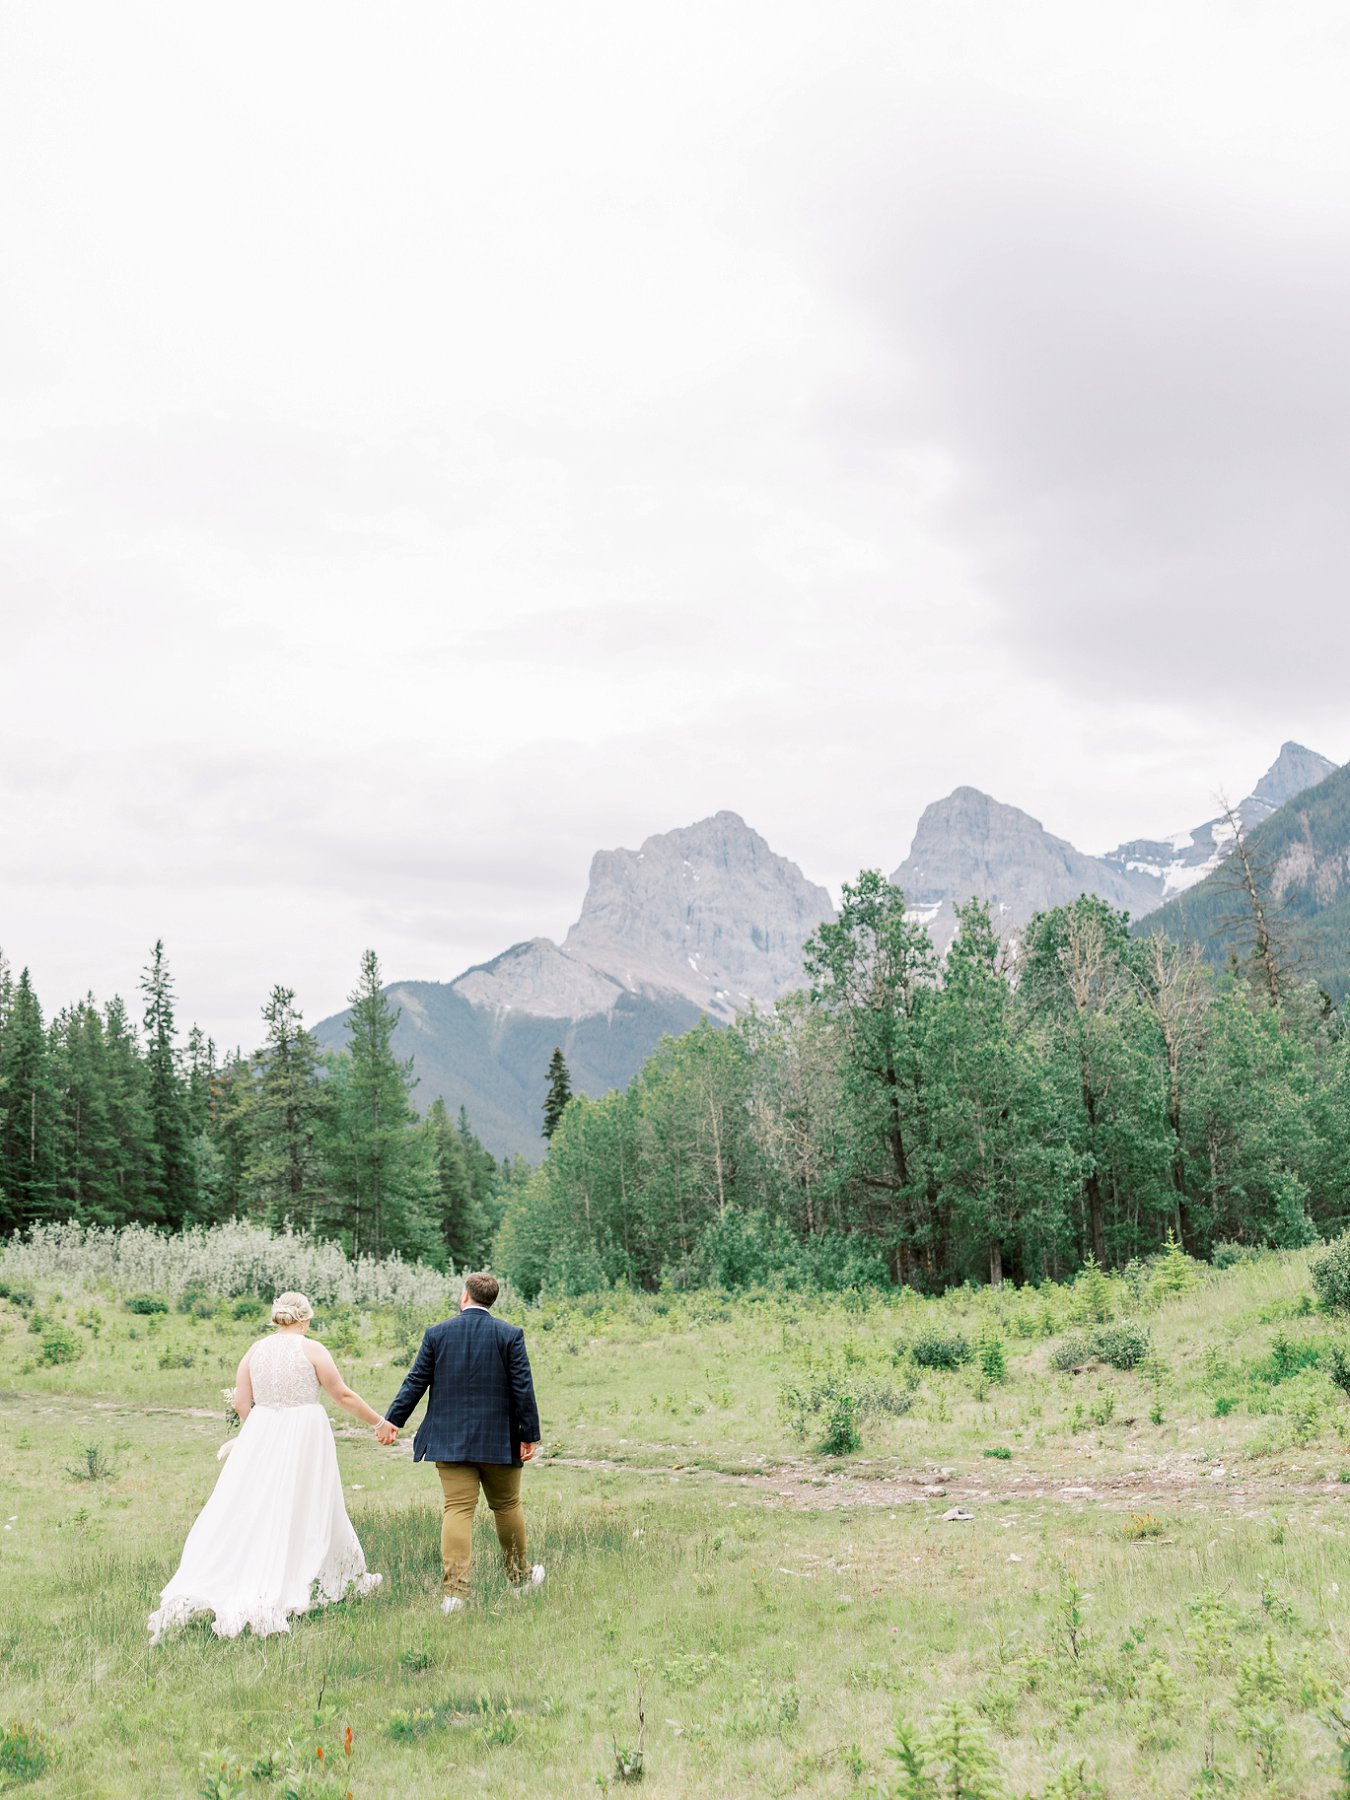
pixel 481 1425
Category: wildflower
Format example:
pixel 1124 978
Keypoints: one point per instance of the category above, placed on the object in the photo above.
pixel 347 1740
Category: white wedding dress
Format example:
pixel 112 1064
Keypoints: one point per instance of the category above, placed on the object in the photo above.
pixel 274 1539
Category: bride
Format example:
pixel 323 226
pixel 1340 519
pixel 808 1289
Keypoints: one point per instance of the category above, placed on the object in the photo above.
pixel 274 1539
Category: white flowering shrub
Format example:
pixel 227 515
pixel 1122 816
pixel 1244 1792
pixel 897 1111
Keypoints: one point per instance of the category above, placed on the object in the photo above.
pixel 234 1258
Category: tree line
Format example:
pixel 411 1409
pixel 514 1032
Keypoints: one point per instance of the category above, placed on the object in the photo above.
pixel 1008 1110
pixel 108 1119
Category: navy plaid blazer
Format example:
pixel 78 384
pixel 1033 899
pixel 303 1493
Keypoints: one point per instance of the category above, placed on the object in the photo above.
pixel 481 1407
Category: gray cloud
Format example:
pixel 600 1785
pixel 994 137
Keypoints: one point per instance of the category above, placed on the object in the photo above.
pixel 1137 382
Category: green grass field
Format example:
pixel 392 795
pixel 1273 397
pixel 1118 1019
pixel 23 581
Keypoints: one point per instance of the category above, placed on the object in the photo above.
pixel 1148 1598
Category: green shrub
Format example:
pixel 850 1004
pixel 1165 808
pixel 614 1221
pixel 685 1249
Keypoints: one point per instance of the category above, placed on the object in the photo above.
pixel 17 1294
pixel 894 1399
pixel 147 1303
pixel 999 1452
pixel 749 1249
pixel 1124 1346
pixel 94 1465
pixel 247 1306
pixel 24 1754
pixel 1331 1275
pixel 1338 1367
pixel 169 1358
pixel 993 1363
pixel 1228 1255
pixel 340 1330
pixel 842 1436
pixel 1287 1356
pixel 59 1345
pixel 940 1350
pixel 1072 1352
pixel 842 1402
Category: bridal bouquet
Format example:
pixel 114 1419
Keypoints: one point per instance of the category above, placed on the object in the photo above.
pixel 231 1423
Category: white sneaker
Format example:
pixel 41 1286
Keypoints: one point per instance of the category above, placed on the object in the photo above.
pixel 533 1580
pixel 452 1603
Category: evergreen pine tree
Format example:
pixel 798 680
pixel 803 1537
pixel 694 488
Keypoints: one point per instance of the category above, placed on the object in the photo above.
pixel 559 1092
pixel 380 1176
pixel 28 1126
pixel 283 1165
pixel 6 1001
pixel 485 1176
pixel 462 1222
pixel 171 1186
pixel 87 1149
pixel 129 1108
pixel 223 1152
pixel 201 1075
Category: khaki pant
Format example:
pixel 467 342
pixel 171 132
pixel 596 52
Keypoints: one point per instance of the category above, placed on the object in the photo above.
pixel 501 1484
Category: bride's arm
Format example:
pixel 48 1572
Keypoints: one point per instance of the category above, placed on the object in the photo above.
pixel 333 1384
pixel 243 1387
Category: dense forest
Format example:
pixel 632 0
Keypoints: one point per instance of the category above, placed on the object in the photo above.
pixel 1008 1111
pixel 106 1118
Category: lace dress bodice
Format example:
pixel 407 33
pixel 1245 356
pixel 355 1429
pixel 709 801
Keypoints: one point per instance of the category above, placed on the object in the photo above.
pixel 282 1374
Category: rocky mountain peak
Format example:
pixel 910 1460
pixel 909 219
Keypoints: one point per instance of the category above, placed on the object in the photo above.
pixel 971 846
pixel 1293 770
pixel 963 839
pixel 708 911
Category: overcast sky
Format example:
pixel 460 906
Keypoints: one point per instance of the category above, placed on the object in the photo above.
pixel 437 441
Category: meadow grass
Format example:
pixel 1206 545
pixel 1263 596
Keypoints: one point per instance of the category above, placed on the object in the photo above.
pixel 1147 1599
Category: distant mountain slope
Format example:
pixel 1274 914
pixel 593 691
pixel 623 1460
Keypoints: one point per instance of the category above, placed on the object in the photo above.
pixel 493 1062
pixel 1305 844
pixel 706 918
pixel 1179 861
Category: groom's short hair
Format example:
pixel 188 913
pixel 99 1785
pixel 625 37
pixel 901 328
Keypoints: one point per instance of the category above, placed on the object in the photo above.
pixel 482 1288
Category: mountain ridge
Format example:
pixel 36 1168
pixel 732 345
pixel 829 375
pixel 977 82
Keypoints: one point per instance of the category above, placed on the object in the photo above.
pixel 707 919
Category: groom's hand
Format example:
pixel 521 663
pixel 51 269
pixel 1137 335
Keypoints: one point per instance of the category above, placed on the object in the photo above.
pixel 527 1452
pixel 385 1433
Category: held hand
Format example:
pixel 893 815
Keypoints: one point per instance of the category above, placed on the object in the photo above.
pixel 527 1452
pixel 385 1433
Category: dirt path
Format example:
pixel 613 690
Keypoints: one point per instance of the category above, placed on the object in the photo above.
pixel 1177 1478
pixel 1168 1481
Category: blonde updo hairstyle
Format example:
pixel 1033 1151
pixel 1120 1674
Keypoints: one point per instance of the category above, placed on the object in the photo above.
pixel 290 1309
